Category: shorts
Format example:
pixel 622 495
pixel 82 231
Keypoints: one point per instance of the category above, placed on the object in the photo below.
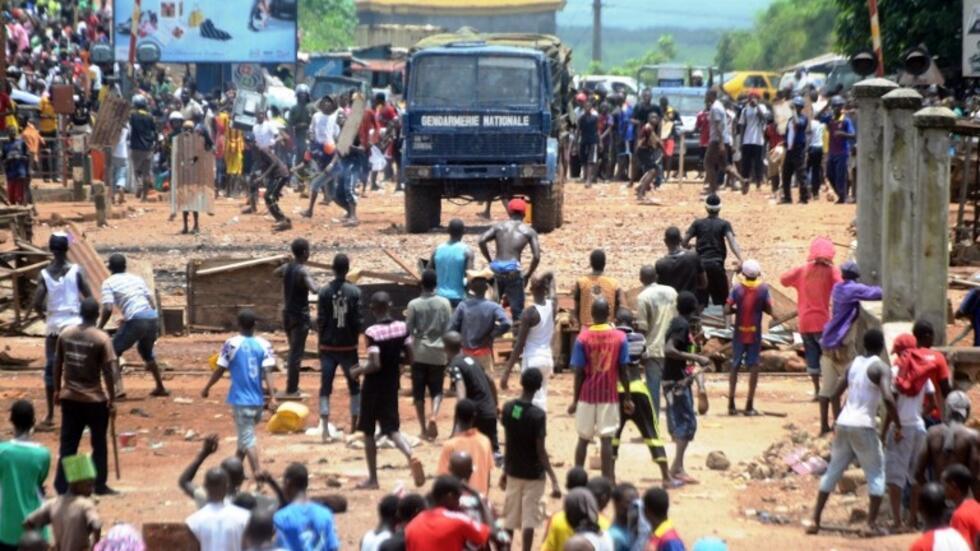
pixel 546 365
pixel 596 419
pixel 811 351
pixel 141 332
pixel 859 443
pixel 427 376
pixel 142 164
pixel 682 422
pixel 745 354
pixel 486 363
pixel 833 363
pixel 246 417
pixel 378 409
pixel 900 458
pixel 522 503
pixel 588 153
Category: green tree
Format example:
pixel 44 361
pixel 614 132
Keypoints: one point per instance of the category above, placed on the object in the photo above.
pixel 666 50
pixel 326 24
pixel 667 47
pixel 786 32
pixel 935 24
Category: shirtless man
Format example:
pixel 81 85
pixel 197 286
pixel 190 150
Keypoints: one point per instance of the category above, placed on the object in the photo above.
pixel 511 236
pixel 948 444
pixel 60 290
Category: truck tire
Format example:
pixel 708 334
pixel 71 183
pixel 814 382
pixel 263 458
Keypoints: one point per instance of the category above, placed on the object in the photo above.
pixel 423 205
pixel 545 202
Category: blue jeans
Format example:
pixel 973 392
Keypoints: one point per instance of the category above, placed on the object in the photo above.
pixel 653 369
pixel 328 368
pixel 511 285
pixel 812 352
pixel 837 174
pixel 861 443
pixel 142 333
pixel 682 422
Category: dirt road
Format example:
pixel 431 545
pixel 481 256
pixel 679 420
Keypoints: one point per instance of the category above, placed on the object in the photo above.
pixel 605 216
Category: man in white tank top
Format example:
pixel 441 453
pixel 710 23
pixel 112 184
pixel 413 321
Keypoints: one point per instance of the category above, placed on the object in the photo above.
pixel 60 290
pixel 533 344
pixel 868 383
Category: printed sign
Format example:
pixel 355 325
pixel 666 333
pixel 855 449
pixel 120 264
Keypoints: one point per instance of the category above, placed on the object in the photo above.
pixel 971 38
pixel 201 31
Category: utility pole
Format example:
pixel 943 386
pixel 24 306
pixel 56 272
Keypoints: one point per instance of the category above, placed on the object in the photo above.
pixel 597 31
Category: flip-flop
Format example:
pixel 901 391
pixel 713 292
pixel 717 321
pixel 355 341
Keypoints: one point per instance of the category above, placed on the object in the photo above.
pixel 160 393
pixel 686 479
pixel 366 485
pixel 418 472
pixel 673 484
pixel 44 426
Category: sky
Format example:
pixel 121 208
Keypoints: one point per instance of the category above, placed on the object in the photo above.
pixel 656 13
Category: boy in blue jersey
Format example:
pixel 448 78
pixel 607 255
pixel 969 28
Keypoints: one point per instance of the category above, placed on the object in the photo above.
pixel 302 524
pixel 247 359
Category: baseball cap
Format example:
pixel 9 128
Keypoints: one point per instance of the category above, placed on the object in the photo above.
pixel 957 402
pixel 837 101
pixel 751 269
pixel 712 202
pixel 517 205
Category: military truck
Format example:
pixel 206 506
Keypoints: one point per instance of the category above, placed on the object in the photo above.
pixel 486 115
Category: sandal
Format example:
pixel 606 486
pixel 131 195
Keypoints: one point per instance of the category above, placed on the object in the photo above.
pixel 160 393
pixel 673 484
pixel 44 426
pixel 418 472
pixel 686 479
pixel 367 485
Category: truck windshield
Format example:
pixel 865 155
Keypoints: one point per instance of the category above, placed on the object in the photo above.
pixel 477 81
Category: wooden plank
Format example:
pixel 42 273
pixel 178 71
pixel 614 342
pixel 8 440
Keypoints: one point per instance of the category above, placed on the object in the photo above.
pixel 24 269
pixel 244 264
pixel 351 126
pixel 113 115
pixel 401 264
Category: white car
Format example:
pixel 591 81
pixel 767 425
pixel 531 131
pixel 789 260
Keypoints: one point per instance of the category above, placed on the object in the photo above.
pixel 625 86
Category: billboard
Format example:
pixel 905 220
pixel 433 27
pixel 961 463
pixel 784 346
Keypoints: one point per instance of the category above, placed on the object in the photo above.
pixel 209 31
pixel 971 38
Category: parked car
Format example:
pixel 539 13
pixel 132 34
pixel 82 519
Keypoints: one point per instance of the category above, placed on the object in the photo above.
pixel 624 86
pixel 688 101
pixel 743 82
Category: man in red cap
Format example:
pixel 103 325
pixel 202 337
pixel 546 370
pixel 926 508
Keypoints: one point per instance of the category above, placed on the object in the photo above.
pixel 510 237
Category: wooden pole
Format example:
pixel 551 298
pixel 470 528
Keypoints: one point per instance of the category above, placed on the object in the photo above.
pixel 876 37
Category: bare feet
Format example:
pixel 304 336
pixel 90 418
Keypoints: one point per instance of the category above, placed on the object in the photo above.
pixel 369 484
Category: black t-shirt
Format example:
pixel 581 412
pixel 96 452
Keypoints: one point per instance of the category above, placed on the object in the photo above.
pixel 588 125
pixel 296 295
pixel 466 369
pixel 678 332
pixel 680 271
pixel 524 423
pixel 395 543
pixel 267 159
pixel 710 235
pixel 390 338
pixel 339 315
pixel 642 112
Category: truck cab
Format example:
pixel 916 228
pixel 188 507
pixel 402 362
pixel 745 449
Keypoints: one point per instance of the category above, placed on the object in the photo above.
pixel 478 126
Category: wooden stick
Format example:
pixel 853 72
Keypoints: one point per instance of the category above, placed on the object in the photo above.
pixel 115 442
pixel 24 269
pixel 964 282
pixel 243 264
pixel 402 265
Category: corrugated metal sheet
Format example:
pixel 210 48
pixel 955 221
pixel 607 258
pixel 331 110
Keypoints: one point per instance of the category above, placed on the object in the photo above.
pixel 81 253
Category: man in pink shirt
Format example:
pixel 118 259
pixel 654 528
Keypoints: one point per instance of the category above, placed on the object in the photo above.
pixel 813 282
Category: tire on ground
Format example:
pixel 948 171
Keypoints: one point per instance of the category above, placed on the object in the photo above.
pixel 545 204
pixel 423 206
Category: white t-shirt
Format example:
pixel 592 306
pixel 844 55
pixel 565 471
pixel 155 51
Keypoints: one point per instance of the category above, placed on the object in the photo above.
pixel 910 407
pixel 815 138
pixel 718 118
pixel 373 539
pixel 265 134
pixel 325 129
pixel 863 396
pixel 753 120
pixel 219 526
pixel 121 150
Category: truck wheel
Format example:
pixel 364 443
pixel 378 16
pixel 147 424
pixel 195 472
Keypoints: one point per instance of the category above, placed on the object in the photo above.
pixel 423 205
pixel 545 201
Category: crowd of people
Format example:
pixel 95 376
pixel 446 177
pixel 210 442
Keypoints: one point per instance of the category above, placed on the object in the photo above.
pixel 624 360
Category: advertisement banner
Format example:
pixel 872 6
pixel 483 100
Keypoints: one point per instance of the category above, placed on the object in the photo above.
pixel 971 38
pixel 210 31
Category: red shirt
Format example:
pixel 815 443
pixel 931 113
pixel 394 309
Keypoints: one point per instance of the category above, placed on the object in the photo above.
pixel 813 283
pixel 387 114
pixel 368 123
pixel 599 352
pixel 440 528
pixel 704 127
pixel 947 538
pixel 966 520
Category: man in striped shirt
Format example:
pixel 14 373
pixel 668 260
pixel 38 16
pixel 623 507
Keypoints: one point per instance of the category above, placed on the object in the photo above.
pixel 129 293
pixel 600 358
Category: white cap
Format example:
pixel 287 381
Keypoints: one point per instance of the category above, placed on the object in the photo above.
pixel 751 269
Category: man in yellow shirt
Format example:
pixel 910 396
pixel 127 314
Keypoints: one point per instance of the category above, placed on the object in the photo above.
pixel 48 126
pixel 587 288
pixel 557 530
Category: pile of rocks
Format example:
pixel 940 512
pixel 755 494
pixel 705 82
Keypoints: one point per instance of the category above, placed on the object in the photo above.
pixel 799 453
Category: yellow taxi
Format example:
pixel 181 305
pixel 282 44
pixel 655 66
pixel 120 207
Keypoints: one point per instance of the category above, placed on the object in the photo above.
pixel 743 82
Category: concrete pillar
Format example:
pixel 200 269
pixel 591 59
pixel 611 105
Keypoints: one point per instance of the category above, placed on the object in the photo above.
pixel 932 231
pixel 899 213
pixel 870 142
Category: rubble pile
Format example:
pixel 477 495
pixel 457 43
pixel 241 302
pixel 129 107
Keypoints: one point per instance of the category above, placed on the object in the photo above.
pixel 799 453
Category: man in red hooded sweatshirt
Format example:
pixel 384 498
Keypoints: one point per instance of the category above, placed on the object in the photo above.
pixel 813 282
